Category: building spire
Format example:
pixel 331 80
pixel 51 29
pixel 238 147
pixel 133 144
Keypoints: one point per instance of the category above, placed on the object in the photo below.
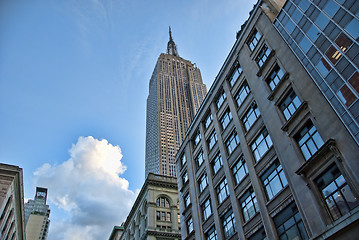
pixel 171 46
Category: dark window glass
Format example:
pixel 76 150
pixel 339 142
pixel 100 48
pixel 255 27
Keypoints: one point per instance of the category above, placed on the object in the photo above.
pixel 240 170
pixel 322 21
pixel 313 33
pixel 337 194
pixel 304 5
pixel 323 67
pixel 259 235
pixel 309 140
pixel 274 77
pixel 254 39
pixel 262 55
pixel 251 116
pixel 290 104
pixel 242 93
pixel 229 224
pixel 249 204
pixel 274 180
pixel 289 224
pixel 353 28
pixel 305 44
pixel 331 8
pixel 261 144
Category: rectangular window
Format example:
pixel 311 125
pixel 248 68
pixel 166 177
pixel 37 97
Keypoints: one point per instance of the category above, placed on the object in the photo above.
pixel 211 234
pixel 158 215
pixel 337 194
pixel 220 99
pixel 240 170
pixel 308 140
pixel 197 138
pixel 168 217
pixel 232 142
pixel 208 120
pixel 226 118
pixel 262 55
pixel 259 235
pixel 185 178
pixel 222 191
pixel 251 116
pixel 203 182
pixel 212 140
pixel 254 39
pixel 189 225
pixel 187 200
pixel 289 224
pixel 275 77
pixel 290 104
pixel 249 204
pixel 229 224
pixel 242 93
pixel 183 159
pixel 216 163
pixel 274 180
pixel 235 74
pixel 261 145
pixel 199 159
pixel 206 209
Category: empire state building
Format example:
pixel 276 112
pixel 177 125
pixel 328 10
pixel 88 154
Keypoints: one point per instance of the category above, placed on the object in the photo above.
pixel 176 91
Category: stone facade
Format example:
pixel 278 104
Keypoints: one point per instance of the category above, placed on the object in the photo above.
pixel 267 156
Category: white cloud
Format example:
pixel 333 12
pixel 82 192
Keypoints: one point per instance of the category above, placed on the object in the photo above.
pixel 88 189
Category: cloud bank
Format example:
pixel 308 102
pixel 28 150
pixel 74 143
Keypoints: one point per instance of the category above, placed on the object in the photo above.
pixel 87 190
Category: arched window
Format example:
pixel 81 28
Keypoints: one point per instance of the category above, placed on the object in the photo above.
pixel 162 202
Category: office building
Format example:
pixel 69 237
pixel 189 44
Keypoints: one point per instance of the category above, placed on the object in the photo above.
pixel 154 214
pixel 273 151
pixel 37 214
pixel 176 92
pixel 12 224
pixel 116 233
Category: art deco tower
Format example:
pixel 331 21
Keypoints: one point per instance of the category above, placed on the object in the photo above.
pixel 176 92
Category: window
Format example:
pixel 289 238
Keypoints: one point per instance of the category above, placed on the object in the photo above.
pixel 308 140
pixel 212 140
pixel 261 145
pixel 222 191
pixel 229 224
pixel 187 200
pixel 337 194
pixel 262 55
pixel 185 178
pixel 290 104
pixel 289 224
pixel 253 40
pixel 163 216
pixel 226 118
pixel 211 234
pixel 206 209
pixel 189 225
pixel 203 182
pixel 199 159
pixel 274 180
pixel 197 138
pixel 208 120
pixel 242 93
pixel 162 202
pixel 249 204
pixel 235 74
pixel 251 116
pixel 183 160
pixel 232 142
pixel 220 99
pixel 274 77
pixel 216 163
pixel 259 235
pixel 240 170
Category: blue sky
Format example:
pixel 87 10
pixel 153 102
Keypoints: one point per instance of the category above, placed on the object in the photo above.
pixel 74 79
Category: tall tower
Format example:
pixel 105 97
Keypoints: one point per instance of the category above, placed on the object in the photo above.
pixel 176 92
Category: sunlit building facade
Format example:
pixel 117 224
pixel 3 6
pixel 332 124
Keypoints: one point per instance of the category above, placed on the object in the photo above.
pixel 176 91
pixel 269 154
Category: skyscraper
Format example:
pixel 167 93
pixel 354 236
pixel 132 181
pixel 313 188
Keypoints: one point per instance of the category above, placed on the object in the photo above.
pixel 176 92
pixel 37 214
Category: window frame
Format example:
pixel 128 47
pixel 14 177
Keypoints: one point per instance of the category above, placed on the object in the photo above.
pixel 203 178
pixel 273 76
pixel 212 140
pixel 226 118
pixel 266 139
pixel 289 106
pixel 233 138
pixel 221 99
pixel 206 209
pixel 216 163
pixel 229 219
pixel 199 164
pixel 248 197
pixel 302 135
pixel 247 119
pixel 254 38
pixel 208 120
pixel 263 55
pixel 274 172
pixel 236 169
pixel 222 191
pixel 235 74
pixel 240 98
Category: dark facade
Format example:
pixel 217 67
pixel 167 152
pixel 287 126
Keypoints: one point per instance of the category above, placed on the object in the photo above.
pixel 268 155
